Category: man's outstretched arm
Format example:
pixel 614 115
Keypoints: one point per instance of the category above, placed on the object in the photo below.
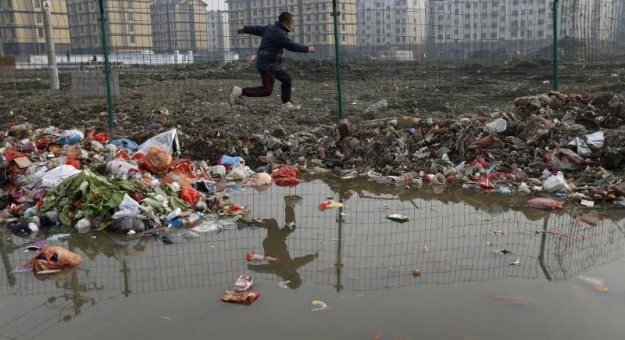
pixel 253 30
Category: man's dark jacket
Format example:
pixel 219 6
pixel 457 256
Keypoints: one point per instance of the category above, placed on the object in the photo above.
pixel 275 40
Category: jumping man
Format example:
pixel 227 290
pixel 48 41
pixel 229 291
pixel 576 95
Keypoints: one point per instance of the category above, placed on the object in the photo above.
pixel 269 60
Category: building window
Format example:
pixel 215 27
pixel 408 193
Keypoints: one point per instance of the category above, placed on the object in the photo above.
pixel 40 32
pixel 132 39
pixel 39 17
pixel 131 28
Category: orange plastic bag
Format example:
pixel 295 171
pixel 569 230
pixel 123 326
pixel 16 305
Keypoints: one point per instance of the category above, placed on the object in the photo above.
pixel 156 160
pixel 189 195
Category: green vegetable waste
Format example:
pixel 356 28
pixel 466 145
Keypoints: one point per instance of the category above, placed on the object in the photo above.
pixel 89 195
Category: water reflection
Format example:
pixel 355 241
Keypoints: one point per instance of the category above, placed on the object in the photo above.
pixel 452 237
pixel 275 246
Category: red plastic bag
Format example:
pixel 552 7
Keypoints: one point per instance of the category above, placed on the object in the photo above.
pixel 286 176
pixel 73 162
pixel 544 203
pixel 189 195
pixel 156 160
pixel 485 183
pixel 287 181
pixel 284 172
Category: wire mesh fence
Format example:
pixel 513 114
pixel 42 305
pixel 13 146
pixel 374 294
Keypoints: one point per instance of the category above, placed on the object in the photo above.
pixel 148 33
pixel 350 249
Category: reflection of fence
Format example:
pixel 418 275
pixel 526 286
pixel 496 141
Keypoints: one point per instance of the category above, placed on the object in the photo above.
pixel 360 251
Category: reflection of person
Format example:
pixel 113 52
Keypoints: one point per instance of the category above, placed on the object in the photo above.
pixel 68 55
pixel 269 58
pixel 274 245
pixel 95 59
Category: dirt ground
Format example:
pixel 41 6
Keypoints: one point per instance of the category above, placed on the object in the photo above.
pixel 194 98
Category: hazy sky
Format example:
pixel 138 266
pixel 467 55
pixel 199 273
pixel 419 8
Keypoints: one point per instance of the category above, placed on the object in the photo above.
pixel 216 4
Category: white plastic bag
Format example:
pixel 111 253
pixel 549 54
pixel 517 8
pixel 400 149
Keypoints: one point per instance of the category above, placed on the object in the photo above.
pixel 54 177
pixel 168 140
pixel 555 183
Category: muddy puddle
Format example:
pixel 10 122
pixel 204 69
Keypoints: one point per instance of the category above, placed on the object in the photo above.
pixel 464 265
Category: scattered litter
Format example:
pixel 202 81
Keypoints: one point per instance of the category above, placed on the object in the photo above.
pixel 515 262
pixel 416 272
pixel 598 284
pixel 502 251
pixel 247 297
pixel 329 204
pixel 397 218
pixel 251 256
pixel 320 305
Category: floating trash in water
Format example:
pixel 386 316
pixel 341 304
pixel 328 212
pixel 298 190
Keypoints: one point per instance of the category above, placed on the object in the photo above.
pixel 515 262
pixel 598 284
pixel 511 300
pixel 284 284
pixel 397 218
pixel 320 305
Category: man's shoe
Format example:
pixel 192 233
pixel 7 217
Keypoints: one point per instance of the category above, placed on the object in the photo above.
pixel 288 106
pixel 235 94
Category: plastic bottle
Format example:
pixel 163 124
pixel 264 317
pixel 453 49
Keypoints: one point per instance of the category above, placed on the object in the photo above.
pixel 173 214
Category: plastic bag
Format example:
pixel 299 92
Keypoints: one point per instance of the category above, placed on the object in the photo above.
pixel 125 144
pixel 230 160
pixel 119 168
pixel 286 176
pixel 51 258
pixel 240 297
pixel 73 162
pixel 129 204
pixel 544 203
pixel 167 140
pixel 54 177
pixel 189 195
pixel 70 137
pixel 156 160
pixel 239 172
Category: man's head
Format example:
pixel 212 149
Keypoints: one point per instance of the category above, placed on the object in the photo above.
pixel 287 19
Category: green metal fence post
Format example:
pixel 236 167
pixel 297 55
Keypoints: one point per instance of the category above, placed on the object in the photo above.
pixel 337 57
pixel 556 76
pixel 107 68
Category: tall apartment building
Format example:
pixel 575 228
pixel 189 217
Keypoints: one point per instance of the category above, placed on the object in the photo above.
pixel 392 28
pixel 596 21
pixel 22 31
pixel 219 33
pixel 314 22
pixel 179 25
pixel 128 25
pixel 462 29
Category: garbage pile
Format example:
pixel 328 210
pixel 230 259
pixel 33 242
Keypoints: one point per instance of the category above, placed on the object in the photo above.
pixel 569 145
pixel 563 145
pixel 88 181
